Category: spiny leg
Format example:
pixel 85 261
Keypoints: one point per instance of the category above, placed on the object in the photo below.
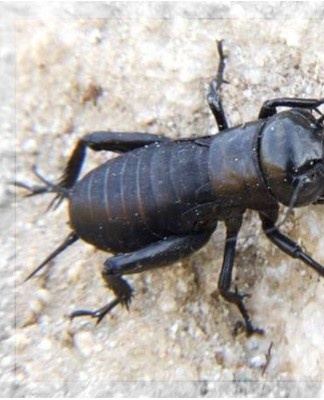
pixel 269 107
pixel 213 97
pixel 158 254
pixel 233 226
pixel 123 292
pixel 119 142
pixel 285 244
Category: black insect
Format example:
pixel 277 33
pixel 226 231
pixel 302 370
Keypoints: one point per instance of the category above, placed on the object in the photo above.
pixel 160 199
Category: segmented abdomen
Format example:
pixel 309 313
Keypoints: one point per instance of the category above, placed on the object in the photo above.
pixel 141 196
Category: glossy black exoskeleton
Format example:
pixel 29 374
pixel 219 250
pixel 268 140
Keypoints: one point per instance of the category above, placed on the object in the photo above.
pixel 160 199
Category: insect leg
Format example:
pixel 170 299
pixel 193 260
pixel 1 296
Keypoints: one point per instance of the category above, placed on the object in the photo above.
pixel 284 243
pixel 269 107
pixel 161 253
pixel 119 142
pixel 225 279
pixel 213 97
pixel 122 291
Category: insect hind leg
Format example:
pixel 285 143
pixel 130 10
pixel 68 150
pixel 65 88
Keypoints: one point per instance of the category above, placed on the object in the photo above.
pixel 157 254
pixel 118 142
pixel 123 292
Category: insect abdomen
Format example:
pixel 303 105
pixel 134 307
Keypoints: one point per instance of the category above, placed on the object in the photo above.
pixel 141 196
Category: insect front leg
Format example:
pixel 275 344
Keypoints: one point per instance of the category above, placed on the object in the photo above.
pixel 284 243
pixel 225 279
pixel 269 107
pixel 214 97
pixel 158 254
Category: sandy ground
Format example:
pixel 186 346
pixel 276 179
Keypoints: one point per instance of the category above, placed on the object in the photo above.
pixel 133 67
